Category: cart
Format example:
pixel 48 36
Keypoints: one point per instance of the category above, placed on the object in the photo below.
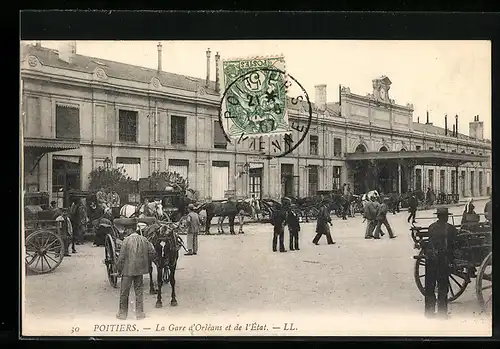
pixel 472 258
pixel 44 239
pixel 114 239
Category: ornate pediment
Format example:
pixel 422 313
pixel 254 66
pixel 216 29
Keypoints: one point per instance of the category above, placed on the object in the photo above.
pixel 100 74
pixel 155 82
pixel 33 62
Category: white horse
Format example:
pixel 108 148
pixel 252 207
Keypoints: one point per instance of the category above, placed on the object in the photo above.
pixel 368 196
pixel 154 209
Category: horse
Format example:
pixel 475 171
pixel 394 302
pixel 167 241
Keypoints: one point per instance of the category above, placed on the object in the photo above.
pixel 223 209
pixel 153 209
pixel 371 194
pixel 166 242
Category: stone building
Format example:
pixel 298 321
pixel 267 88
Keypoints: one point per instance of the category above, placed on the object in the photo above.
pixel 79 113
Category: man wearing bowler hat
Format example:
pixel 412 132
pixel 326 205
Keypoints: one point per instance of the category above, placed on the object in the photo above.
pixel 438 255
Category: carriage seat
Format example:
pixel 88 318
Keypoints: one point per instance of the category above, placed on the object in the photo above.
pixel 125 222
pixel 104 222
pixel 147 220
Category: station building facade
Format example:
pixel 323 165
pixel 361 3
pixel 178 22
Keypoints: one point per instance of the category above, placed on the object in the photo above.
pixel 79 113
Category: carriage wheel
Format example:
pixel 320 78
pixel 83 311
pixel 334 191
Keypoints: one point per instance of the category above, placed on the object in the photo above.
pixel 484 283
pixel 110 260
pixel 457 281
pixel 44 251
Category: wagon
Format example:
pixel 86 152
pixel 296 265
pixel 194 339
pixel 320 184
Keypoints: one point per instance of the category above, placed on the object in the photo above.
pixel 472 258
pixel 44 240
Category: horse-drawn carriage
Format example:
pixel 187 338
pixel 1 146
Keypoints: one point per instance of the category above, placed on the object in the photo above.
pixel 472 258
pixel 164 236
pixel 45 232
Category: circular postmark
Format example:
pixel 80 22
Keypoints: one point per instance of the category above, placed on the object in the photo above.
pixel 255 104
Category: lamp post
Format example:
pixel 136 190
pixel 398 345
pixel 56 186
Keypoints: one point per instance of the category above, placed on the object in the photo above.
pixel 107 163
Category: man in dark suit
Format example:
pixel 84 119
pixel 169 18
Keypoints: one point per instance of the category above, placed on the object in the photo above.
pixel 412 207
pixel 292 220
pixel 278 221
pixel 438 254
pixel 322 227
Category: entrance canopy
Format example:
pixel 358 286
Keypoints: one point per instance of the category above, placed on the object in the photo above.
pixel 418 157
pixel 40 146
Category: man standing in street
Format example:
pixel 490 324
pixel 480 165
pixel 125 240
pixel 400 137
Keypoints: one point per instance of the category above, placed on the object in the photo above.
pixel 193 223
pixel 438 253
pixel 370 214
pixel 136 253
pixel 80 221
pixel 323 225
pixel 412 208
pixel 279 221
pixel 292 221
pixel 488 214
pixel 382 219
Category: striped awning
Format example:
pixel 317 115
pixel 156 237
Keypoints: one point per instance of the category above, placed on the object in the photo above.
pixel 50 145
pixel 72 159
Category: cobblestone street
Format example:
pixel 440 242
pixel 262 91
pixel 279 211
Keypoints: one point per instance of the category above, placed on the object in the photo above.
pixel 234 275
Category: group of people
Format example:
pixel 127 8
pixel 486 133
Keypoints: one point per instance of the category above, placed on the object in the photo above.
pixel 375 213
pixel 285 216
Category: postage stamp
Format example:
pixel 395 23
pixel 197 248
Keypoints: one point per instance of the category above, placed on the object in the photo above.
pixel 253 101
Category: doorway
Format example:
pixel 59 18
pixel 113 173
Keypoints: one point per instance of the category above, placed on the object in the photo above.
pixel 66 177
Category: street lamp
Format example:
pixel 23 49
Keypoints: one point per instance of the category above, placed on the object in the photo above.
pixel 107 163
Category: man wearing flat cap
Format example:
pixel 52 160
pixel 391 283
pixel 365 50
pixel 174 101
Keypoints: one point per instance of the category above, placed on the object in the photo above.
pixel 136 252
pixel 438 256
pixel 193 222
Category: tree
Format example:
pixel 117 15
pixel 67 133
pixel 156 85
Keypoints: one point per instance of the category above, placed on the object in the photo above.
pixel 176 181
pixel 114 179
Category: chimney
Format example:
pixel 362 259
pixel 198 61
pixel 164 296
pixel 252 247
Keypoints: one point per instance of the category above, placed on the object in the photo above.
pixel 38 44
pixel 320 96
pixel 456 125
pixel 476 128
pixel 445 125
pixel 207 83
pixel 418 120
pixel 67 51
pixel 427 122
pixel 160 56
pixel 217 72
pixel 453 135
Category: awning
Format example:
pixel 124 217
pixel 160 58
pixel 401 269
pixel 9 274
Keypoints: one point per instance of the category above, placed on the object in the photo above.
pixel 41 146
pixel 419 157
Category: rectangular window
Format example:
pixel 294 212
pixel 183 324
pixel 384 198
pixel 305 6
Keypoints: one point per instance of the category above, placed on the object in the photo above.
pixel 127 126
pixel 337 147
pixel 431 148
pixel 480 183
pixel 442 175
pixel 418 179
pixel 220 179
pixel 337 171
pixel 288 185
pixel 313 145
pixel 462 183
pixel 313 180
pixel 178 130
pixel 453 182
pixel 220 141
pixel 472 182
pixel 430 179
pixel 418 147
pixel 67 122
pixel 132 167
pixel 255 176
pixel 179 166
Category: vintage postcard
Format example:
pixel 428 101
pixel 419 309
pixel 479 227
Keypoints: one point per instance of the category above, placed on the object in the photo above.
pixel 256 188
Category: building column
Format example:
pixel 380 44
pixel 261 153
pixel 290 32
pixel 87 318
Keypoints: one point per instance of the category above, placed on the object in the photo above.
pixel 399 178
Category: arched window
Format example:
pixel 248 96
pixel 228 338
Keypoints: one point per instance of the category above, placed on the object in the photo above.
pixel 360 149
pixel 403 149
pixel 383 149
